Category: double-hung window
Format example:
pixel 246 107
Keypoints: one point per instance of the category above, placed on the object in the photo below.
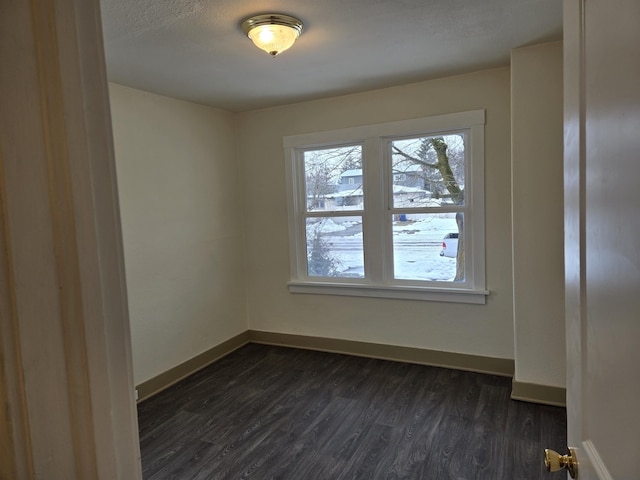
pixel 393 210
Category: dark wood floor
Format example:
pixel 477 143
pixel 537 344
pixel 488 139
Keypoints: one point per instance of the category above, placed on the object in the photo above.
pixel 278 413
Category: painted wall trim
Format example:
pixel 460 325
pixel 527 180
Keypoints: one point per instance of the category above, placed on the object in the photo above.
pixel 163 381
pixel 532 392
pixel 458 361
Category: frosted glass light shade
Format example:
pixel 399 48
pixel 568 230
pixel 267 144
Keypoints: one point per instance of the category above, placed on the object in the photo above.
pixel 273 33
pixel 273 39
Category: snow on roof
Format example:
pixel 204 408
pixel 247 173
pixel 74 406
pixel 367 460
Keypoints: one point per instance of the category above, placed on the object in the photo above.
pixel 406 167
pixel 403 189
pixel 398 168
pixel 357 192
pixel 356 172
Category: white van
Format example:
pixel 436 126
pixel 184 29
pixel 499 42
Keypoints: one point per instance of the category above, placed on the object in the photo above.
pixel 450 245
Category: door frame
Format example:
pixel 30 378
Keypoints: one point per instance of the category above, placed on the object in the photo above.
pixel 66 376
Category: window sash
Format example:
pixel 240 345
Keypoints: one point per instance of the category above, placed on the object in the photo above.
pixel 446 208
pixel 378 209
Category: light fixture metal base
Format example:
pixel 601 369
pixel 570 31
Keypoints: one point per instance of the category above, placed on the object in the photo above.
pixel 272 19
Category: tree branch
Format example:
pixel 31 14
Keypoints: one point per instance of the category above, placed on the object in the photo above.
pixel 414 159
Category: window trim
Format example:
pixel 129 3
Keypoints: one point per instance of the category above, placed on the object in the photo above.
pixel 374 138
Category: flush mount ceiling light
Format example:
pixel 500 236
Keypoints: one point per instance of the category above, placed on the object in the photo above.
pixel 273 32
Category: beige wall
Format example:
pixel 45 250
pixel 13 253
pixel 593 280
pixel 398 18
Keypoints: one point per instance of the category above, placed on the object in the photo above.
pixel 180 170
pixel 180 202
pixel 537 163
pixel 474 329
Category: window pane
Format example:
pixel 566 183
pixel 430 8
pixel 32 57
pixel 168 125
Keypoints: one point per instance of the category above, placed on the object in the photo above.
pixel 334 247
pixel 333 179
pixel 428 171
pixel 425 247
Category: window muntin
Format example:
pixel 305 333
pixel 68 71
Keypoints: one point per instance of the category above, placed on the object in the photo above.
pixel 386 256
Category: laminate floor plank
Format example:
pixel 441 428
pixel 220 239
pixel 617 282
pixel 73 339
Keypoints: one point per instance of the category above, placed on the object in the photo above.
pixel 553 427
pixel 274 413
pixel 523 420
pixel 370 452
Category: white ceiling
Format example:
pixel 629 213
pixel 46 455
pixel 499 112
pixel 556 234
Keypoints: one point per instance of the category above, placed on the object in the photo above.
pixel 195 49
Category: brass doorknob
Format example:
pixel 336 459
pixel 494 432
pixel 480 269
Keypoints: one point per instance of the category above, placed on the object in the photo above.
pixel 553 461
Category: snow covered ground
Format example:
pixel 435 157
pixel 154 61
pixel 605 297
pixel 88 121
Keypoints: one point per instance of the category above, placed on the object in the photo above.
pixel 417 242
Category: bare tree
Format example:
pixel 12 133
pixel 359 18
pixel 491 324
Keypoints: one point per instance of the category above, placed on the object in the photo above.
pixel 319 183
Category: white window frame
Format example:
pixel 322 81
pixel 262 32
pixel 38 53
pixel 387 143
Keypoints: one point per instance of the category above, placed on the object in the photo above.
pixel 379 281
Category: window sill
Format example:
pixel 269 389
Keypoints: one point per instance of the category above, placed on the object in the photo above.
pixel 453 295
